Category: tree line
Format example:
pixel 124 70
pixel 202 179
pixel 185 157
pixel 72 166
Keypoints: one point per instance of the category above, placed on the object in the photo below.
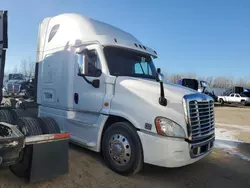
pixel 26 67
pixel 213 81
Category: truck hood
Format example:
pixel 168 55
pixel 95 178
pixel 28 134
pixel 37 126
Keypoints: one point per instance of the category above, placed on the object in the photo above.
pixel 137 100
pixel 146 87
pixel 15 81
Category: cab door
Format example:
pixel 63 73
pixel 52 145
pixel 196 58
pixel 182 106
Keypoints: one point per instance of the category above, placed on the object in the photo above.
pixel 237 98
pixel 87 96
pixel 89 82
pixel 230 98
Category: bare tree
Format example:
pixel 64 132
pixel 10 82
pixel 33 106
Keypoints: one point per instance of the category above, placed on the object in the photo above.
pixel 189 75
pixel 174 77
pixel 219 81
pixel 243 82
pixel 27 67
pixel 14 70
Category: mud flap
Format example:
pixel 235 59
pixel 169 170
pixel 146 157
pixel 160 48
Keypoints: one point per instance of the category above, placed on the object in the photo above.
pixel 49 160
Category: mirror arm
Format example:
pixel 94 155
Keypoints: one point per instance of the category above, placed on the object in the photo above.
pixel 84 77
pixel 162 99
pixel 94 84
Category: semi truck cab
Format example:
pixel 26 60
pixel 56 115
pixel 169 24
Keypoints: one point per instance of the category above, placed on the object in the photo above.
pixel 100 84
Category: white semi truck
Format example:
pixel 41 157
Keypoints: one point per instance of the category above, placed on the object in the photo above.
pixel 100 84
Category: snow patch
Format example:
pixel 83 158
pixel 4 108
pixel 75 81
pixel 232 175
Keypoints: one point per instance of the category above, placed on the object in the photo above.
pixel 227 140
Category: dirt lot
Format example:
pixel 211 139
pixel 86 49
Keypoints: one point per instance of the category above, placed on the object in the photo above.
pixel 227 166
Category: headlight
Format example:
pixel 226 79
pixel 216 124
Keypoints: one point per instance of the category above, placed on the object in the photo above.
pixel 167 127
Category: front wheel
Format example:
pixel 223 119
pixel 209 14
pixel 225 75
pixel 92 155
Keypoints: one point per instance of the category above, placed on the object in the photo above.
pixel 121 148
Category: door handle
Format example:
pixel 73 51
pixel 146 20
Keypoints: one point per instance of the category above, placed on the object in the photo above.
pixel 76 98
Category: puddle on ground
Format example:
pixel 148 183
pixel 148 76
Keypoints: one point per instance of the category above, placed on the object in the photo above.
pixel 235 148
pixel 228 141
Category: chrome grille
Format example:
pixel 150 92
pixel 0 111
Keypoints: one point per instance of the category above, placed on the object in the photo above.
pixel 17 88
pixel 10 88
pixel 13 88
pixel 201 118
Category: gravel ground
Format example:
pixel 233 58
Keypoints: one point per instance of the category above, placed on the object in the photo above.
pixel 227 166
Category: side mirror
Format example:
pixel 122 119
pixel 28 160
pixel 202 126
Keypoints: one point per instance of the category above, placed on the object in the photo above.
pixel 159 70
pixel 204 84
pixel 96 83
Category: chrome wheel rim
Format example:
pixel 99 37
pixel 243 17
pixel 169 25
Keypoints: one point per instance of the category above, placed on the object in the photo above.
pixel 119 149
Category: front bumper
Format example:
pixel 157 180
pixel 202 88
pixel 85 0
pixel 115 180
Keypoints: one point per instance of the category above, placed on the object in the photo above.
pixel 172 152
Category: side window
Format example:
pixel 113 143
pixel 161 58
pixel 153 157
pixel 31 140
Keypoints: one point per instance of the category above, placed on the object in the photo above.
pixel 89 65
pixel 53 32
pixel 142 68
pixel 80 59
pixel 232 95
pixel 237 95
pixel 138 69
pixel 146 68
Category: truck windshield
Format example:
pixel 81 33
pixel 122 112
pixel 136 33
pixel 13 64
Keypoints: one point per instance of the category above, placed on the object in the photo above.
pixel 123 62
pixel 16 77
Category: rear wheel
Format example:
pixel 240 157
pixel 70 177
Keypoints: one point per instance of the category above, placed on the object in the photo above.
pixel 6 116
pixel 19 113
pixel 49 125
pixel 29 127
pixel 243 103
pixel 121 148
pixel 221 101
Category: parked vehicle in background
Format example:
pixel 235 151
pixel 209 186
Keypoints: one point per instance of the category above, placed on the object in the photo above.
pixel 198 85
pixel 190 83
pixel 247 93
pixel 18 86
pixel 234 98
pixel 235 89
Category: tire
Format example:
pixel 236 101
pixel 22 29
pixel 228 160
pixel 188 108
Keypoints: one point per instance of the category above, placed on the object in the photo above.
pixel 123 136
pixel 243 103
pixel 6 116
pixel 49 125
pixel 29 127
pixel 19 113
pixel 221 101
